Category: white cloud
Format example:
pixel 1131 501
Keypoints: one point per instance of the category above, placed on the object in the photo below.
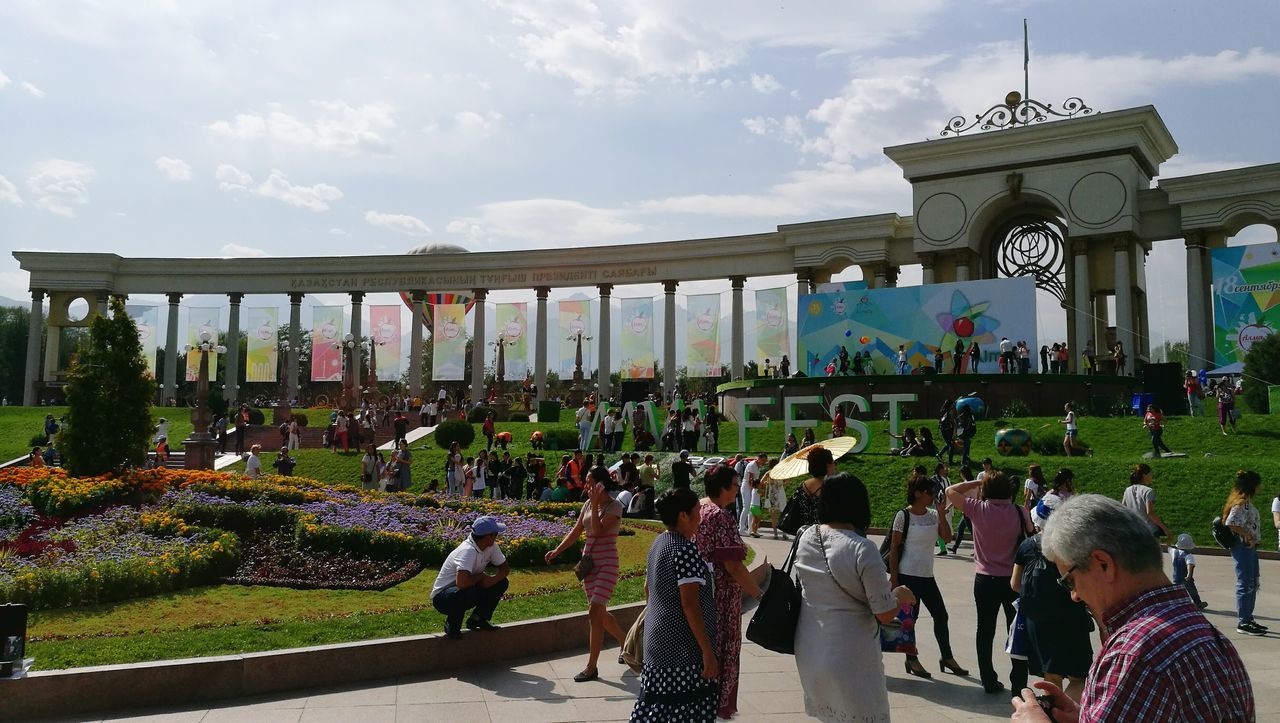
pixel 475 123
pixel 9 192
pixel 175 169
pixel 337 232
pixel 765 83
pixel 234 251
pixel 231 178
pixel 401 222
pixel 315 198
pixel 32 89
pixel 336 126
pixel 544 220
pixel 4 80
pixel 59 185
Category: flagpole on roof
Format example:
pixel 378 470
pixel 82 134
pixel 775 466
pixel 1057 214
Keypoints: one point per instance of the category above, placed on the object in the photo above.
pixel 1026 62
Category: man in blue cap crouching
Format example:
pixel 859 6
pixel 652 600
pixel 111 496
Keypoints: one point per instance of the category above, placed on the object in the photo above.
pixel 463 584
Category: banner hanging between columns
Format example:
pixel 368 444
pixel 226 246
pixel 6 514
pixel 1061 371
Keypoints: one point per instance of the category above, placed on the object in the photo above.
pixel 513 326
pixel 575 317
pixel 637 339
pixel 261 355
pixel 449 342
pixel 703 335
pixel 772 329
pixel 326 340
pixel 384 329
pixel 199 321
pixel 147 320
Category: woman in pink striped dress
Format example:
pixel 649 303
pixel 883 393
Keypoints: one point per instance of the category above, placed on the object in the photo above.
pixel 599 519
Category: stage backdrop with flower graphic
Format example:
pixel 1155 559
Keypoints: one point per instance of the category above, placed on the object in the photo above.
pixel 1246 299
pixel 513 329
pixel 261 350
pixel 637 339
pixel 922 318
pixel 326 344
pixel 703 335
pixel 449 342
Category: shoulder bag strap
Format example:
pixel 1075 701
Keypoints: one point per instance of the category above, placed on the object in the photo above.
pixel 791 556
pixel 822 543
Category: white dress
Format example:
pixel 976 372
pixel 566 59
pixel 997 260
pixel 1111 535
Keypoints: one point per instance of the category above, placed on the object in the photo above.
pixel 838 638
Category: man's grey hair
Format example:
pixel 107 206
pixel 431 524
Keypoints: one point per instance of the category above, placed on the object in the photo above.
pixel 1086 523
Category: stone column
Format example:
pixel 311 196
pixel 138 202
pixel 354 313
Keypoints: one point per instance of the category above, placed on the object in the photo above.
pixel 33 371
pixel 295 344
pixel 1081 308
pixel 415 345
pixel 357 320
pixel 231 371
pixel 926 264
pixel 962 266
pixel 478 346
pixel 805 278
pixel 878 278
pixel 101 304
pixel 171 351
pixel 737 329
pixel 1197 306
pixel 605 340
pixel 891 277
pixel 669 337
pixel 1101 320
pixel 1141 322
pixel 540 344
pixel 1124 302
pixel 52 350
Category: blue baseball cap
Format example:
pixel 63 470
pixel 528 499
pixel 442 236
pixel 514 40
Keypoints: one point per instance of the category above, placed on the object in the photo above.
pixel 485 526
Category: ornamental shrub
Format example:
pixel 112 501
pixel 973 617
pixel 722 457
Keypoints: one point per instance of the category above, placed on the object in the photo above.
pixel 256 416
pixel 517 417
pixel 454 430
pixel 477 415
pixel 302 418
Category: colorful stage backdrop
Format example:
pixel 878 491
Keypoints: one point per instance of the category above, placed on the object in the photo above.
pixel 772 329
pixel 261 352
pixel 637 339
pixel 199 320
pixel 703 335
pixel 326 336
pixel 924 318
pixel 1246 298
pixel 449 342
pixel 147 319
pixel 513 326
pixel 384 329
pixel 575 316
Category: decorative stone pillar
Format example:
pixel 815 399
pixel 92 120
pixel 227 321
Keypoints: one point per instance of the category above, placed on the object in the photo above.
pixel 540 344
pixel 1197 303
pixel 804 277
pixel 171 351
pixel 415 345
pixel 926 266
pixel 102 303
pixel 878 278
pixel 231 371
pixel 669 337
pixel 34 328
pixel 295 344
pixel 357 320
pixel 478 346
pixel 605 341
pixel 1124 302
pixel 1081 308
pixel 737 329
pixel 962 266
pixel 891 277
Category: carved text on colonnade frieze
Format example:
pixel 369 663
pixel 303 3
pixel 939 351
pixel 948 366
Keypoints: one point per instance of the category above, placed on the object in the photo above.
pixel 400 282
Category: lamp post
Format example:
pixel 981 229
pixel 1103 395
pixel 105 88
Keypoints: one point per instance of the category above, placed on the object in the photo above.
pixel 372 395
pixel 576 389
pixel 198 448
pixel 348 347
pixel 501 405
pixel 282 413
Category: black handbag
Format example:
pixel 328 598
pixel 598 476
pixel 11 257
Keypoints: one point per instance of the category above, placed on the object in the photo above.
pixel 790 521
pixel 773 627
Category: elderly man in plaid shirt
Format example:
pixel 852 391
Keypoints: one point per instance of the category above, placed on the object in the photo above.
pixel 1161 659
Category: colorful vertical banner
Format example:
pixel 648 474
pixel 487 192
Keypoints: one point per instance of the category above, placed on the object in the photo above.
pixel 575 317
pixel 1246 299
pixel 326 344
pixel 384 328
pixel 147 320
pixel 262 352
pixel 513 328
pixel 703 335
pixel 637 339
pixel 772 330
pixel 449 342
pixel 199 321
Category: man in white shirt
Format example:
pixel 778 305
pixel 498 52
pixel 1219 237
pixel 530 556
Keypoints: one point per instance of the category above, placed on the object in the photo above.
pixel 463 584
pixel 1006 353
pixel 750 476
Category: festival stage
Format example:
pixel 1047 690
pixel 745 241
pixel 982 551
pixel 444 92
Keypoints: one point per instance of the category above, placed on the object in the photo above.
pixel 1044 394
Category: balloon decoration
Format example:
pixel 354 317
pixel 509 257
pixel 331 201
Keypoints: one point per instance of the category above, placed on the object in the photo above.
pixel 424 312
pixel 974 404
pixel 864 340
pixel 1013 442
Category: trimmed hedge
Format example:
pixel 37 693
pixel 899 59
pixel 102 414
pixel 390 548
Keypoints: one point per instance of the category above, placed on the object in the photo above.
pixel 560 439
pixel 454 430
pixel 478 414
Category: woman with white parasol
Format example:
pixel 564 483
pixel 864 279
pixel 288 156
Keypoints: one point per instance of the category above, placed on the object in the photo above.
pixel 817 460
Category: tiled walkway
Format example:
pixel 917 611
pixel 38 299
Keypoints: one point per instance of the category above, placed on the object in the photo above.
pixel 542 689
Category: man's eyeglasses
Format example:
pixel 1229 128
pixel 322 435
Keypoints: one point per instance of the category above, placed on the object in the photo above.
pixel 1067 582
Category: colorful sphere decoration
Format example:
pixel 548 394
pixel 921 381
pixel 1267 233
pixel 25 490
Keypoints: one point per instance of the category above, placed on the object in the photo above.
pixel 973 404
pixel 864 340
pixel 1013 442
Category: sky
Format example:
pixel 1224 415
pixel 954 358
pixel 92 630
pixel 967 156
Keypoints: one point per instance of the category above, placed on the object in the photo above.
pixel 228 128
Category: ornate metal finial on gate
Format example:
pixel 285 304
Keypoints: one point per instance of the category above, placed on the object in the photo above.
pixel 1013 112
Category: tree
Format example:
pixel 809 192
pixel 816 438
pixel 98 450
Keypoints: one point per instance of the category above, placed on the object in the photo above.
pixel 1176 352
pixel 14 326
pixel 109 394
pixel 1261 369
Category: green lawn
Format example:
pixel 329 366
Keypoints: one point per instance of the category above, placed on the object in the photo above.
pixel 19 424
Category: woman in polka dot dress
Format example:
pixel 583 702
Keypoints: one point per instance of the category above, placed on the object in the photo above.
pixel 599 519
pixel 680 667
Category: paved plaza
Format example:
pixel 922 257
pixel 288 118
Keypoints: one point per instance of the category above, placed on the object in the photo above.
pixel 542 688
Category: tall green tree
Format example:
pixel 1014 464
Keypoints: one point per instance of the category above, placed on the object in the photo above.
pixel 109 394
pixel 1261 369
pixel 14 325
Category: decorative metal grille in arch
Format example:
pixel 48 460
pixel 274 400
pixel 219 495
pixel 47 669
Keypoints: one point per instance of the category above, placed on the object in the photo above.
pixel 1033 246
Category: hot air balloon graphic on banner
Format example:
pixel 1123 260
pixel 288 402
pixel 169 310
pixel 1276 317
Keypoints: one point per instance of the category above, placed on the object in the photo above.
pixel 425 312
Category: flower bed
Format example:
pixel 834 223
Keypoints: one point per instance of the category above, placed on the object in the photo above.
pixel 274 558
